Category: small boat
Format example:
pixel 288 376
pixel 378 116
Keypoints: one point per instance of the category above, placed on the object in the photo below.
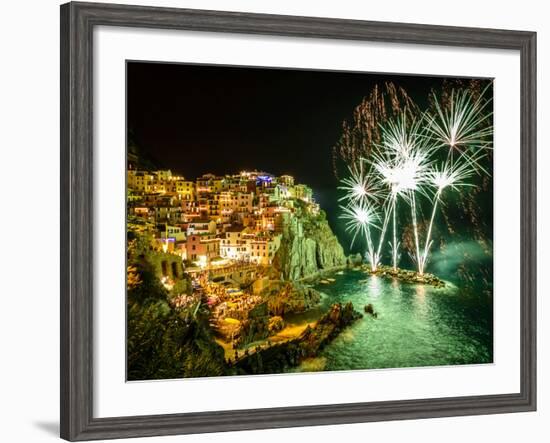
pixel 325 282
pixel 332 280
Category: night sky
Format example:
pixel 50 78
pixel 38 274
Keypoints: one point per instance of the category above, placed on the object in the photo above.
pixel 196 119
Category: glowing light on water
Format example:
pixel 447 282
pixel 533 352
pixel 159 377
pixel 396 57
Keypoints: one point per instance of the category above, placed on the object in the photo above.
pixel 374 285
pixel 420 292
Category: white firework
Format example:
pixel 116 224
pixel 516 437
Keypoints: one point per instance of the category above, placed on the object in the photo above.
pixel 399 136
pixel 360 218
pixel 404 156
pixel 448 175
pixel 464 126
pixel 360 185
pixel 403 161
pixel 451 175
pixel 408 161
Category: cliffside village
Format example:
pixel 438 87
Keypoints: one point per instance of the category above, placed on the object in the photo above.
pixel 216 220
pixel 224 231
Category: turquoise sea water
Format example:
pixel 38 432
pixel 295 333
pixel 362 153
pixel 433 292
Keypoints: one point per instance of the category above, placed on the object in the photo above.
pixel 417 325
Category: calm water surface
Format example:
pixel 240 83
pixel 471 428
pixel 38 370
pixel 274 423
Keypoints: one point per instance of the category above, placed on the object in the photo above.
pixel 416 326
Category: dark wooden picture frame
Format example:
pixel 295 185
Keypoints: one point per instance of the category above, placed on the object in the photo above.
pixel 77 23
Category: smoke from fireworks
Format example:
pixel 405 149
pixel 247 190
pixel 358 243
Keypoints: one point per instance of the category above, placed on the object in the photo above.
pixel 360 135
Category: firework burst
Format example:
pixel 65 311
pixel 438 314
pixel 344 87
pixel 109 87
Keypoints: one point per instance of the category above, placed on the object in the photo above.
pixel 463 126
pixel 414 155
pixel 359 219
pixel 403 162
pixel 361 185
pixel 452 175
pixel 359 135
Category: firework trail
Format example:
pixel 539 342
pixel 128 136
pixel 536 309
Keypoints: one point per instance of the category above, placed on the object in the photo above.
pixel 460 125
pixel 447 175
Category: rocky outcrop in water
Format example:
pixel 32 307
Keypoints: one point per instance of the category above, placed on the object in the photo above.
pixel 407 276
pixel 369 309
pixel 355 259
pixel 308 246
pixel 279 357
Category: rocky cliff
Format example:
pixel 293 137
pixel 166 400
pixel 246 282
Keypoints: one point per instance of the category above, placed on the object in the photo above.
pixel 308 246
pixel 282 356
pixel 284 297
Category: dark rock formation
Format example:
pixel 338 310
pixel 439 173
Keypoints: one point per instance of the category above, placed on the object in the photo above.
pixel 407 276
pixel 291 297
pixel 164 342
pixel 302 298
pixel 308 246
pixel 256 326
pixel 369 309
pixel 279 357
pixel 355 259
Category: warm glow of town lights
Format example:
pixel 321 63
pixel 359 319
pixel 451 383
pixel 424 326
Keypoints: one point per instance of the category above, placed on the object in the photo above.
pixel 211 219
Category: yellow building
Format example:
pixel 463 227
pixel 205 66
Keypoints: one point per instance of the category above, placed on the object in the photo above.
pixel 163 175
pixel 141 181
pixel 263 249
pixel 286 180
pixel 302 192
pixel 245 201
pixel 217 184
pixel 201 226
pixel 186 189
pixel 204 184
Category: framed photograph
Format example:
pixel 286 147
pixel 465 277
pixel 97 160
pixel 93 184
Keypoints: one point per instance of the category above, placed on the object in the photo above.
pixel 273 221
